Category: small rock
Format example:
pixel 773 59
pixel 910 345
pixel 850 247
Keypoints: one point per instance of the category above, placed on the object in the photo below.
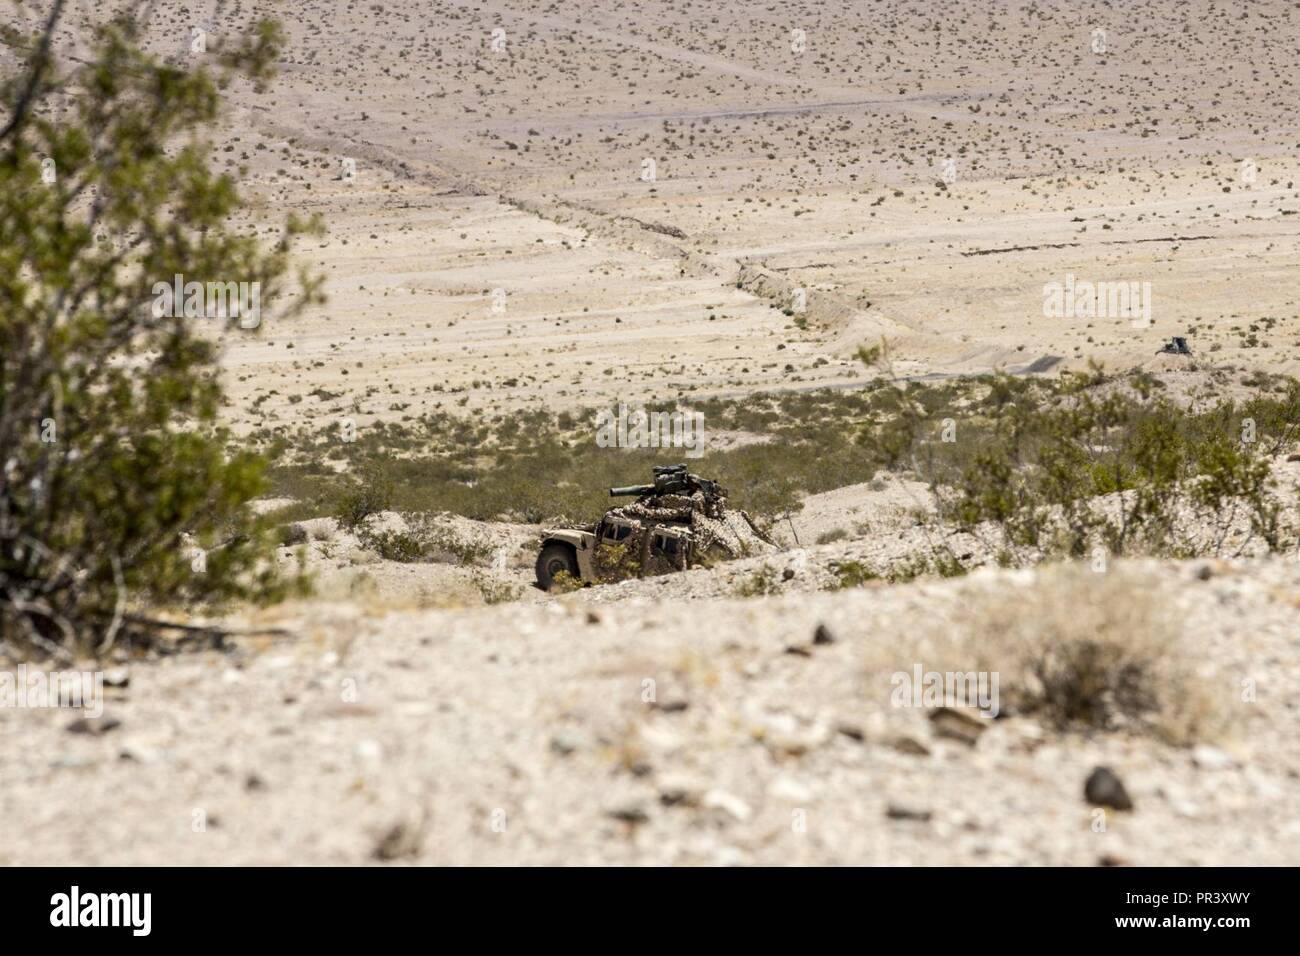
pixel 898 811
pixel 565 743
pixel 728 803
pixel 633 812
pixel 658 737
pixel 1111 859
pixel 673 705
pixel 823 635
pixel 798 650
pixel 789 790
pixel 117 677
pixel 137 754
pixel 404 839
pixel 1104 789
pixel 909 745
pixel 1206 757
pixel 94 726
pixel 593 617
pixel 784 735
pixel 679 790
pixel 850 730
pixel 787 574
pixel 957 725
pixel 254 783
pixel 348 709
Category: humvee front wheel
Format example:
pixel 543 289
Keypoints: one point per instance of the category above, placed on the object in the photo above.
pixel 556 558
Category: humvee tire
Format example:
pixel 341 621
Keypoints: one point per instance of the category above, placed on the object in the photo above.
pixel 556 557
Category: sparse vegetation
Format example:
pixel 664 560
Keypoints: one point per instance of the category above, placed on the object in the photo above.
pixel 1036 467
pixel 1093 650
pixel 766 580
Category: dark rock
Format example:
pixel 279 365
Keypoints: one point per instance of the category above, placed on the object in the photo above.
pixel 673 705
pixel 633 813
pixel 909 745
pixel 403 840
pixel 94 726
pixel 852 731
pixel 898 811
pixel 1104 789
pixel 823 635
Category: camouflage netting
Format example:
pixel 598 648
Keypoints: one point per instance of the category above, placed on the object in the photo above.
pixel 709 518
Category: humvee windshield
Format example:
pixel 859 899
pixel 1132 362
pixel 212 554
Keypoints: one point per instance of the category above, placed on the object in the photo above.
pixel 615 531
pixel 668 544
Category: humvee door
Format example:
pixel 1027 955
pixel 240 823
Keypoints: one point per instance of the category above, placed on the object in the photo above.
pixel 617 549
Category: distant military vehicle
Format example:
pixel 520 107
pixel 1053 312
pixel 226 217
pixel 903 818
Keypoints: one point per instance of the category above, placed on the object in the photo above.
pixel 679 521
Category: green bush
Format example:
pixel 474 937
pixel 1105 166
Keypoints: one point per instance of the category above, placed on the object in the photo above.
pixel 370 492
pixel 116 491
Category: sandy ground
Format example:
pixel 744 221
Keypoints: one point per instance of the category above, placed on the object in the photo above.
pixel 524 735
pixel 922 171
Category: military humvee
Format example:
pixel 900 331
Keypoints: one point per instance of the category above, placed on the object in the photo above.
pixel 676 523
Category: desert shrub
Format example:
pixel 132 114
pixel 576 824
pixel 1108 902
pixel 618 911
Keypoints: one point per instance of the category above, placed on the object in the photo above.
pixel 110 452
pixel 852 574
pixel 1087 650
pixel 501 592
pixel 564 583
pixel 446 546
pixel 618 562
pixel 1077 650
pixel 369 493
pixel 766 580
pixel 938 561
pixel 394 545
pixel 1073 468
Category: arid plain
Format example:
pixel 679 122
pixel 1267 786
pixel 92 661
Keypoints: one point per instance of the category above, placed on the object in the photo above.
pixel 521 169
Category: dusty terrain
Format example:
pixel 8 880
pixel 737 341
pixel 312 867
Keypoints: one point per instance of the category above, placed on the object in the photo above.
pixel 444 714
pixel 522 734
pixel 520 170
